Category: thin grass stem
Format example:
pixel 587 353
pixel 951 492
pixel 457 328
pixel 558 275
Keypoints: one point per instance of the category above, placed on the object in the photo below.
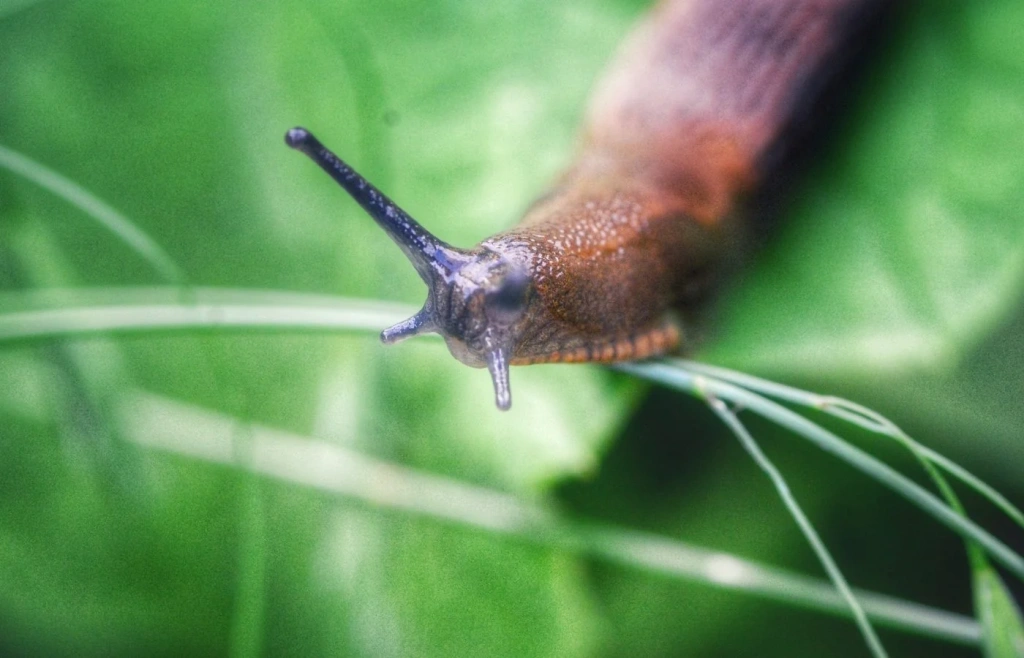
pixel 123 228
pixel 863 417
pixel 733 422
pixel 345 315
pixel 350 315
pixel 862 461
pixel 165 425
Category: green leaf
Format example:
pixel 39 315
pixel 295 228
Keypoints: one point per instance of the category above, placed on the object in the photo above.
pixel 905 248
pixel 424 590
pixel 174 113
pixel 1001 622
pixel 463 143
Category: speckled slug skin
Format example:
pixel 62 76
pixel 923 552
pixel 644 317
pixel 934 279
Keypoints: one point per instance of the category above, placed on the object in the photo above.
pixel 636 236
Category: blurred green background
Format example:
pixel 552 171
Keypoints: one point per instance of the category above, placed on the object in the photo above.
pixel 895 278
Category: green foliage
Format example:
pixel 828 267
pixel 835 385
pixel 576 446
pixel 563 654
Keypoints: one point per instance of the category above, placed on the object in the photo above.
pixel 999 615
pixel 917 218
pixel 902 252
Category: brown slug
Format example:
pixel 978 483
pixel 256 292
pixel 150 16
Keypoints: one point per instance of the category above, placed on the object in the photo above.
pixel 639 231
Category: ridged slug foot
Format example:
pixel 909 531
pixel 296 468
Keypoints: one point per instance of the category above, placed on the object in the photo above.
pixel 662 339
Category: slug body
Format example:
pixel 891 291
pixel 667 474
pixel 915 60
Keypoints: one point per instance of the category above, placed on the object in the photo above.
pixel 637 234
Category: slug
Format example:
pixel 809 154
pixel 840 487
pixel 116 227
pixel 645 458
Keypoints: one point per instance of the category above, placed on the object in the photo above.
pixel 633 240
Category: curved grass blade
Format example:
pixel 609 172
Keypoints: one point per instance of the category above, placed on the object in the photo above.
pixel 115 222
pixel 1002 628
pixel 218 308
pixel 362 315
pixel 249 615
pixel 863 417
pixel 167 425
pixel 869 465
pixel 349 315
pixel 820 550
pixel 248 311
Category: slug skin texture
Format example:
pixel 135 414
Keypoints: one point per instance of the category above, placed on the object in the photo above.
pixel 653 214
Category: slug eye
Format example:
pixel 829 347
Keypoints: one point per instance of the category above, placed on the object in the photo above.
pixel 506 302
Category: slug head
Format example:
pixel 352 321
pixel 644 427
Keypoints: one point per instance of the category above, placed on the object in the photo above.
pixel 476 299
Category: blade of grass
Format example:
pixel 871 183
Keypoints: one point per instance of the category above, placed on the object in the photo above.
pixel 247 622
pixel 49 298
pixel 343 315
pixel 820 550
pixel 122 227
pixel 869 465
pixel 1002 628
pixel 78 394
pixel 163 424
pixel 863 417
pixel 350 315
pixel 249 613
